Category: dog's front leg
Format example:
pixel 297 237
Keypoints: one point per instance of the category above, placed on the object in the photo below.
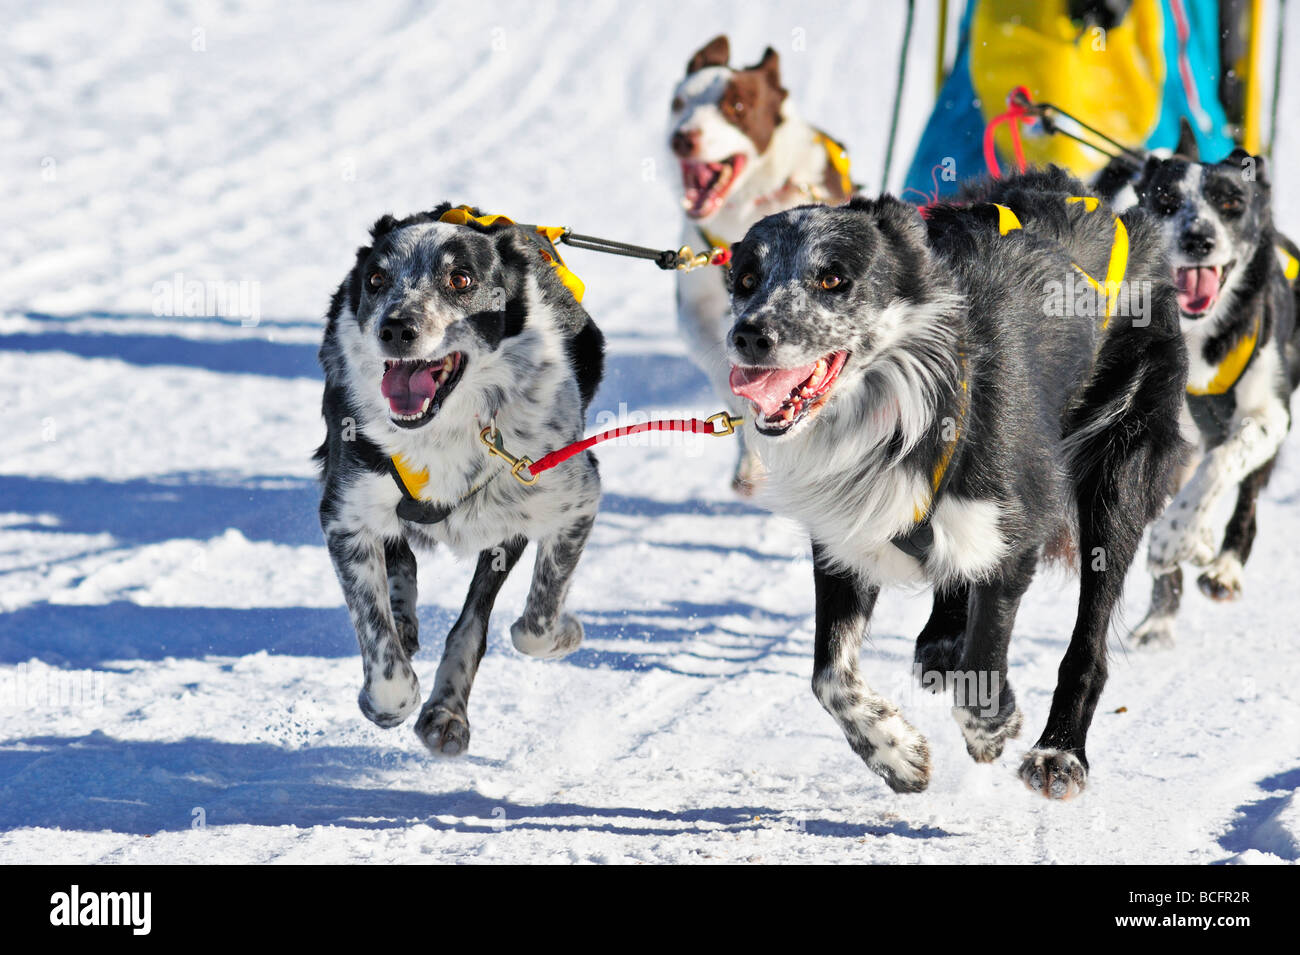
pixel 1222 579
pixel 984 706
pixel 1185 532
pixel 875 729
pixel 545 630
pixel 402 593
pixel 390 690
pixel 443 724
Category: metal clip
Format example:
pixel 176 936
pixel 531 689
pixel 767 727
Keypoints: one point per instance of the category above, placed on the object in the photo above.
pixel 491 439
pixel 729 423
pixel 688 261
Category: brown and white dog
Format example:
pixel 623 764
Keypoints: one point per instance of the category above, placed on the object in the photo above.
pixel 745 154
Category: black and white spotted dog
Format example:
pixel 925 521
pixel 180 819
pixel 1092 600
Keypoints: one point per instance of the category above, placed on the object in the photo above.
pixel 919 410
pixel 439 331
pixel 744 153
pixel 1235 276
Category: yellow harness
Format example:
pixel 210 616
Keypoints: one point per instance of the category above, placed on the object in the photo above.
pixel 1116 268
pixel 463 214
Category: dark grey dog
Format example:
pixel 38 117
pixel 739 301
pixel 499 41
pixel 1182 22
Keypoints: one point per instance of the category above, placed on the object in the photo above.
pixel 930 416
pixel 439 331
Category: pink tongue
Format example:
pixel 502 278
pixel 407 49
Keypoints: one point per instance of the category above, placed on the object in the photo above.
pixel 406 387
pixel 700 175
pixel 1198 288
pixel 768 387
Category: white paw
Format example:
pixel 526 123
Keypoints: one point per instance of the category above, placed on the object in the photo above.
pixel 1053 773
pixel 443 732
pixel 388 702
pixel 1222 579
pixel 559 641
pixel 986 736
pixel 1156 632
pixel 899 754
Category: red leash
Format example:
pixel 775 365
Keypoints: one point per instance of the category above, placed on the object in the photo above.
pixel 1017 112
pixel 719 426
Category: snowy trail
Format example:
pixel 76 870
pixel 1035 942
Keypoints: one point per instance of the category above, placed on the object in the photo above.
pixel 173 646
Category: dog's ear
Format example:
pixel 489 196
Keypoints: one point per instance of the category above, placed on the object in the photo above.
pixel 1187 147
pixel 519 256
pixel 383 225
pixel 898 220
pixel 714 53
pixel 1251 168
pixel 770 67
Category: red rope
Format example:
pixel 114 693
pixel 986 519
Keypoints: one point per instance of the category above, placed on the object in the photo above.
pixel 1017 113
pixel 691 425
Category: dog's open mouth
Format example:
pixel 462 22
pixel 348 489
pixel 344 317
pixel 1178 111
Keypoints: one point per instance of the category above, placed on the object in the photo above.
pixel 416 389
pixel 784 396
pixel 706 184
pixel 1198 287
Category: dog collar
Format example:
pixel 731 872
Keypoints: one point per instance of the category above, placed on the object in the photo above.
pixel 918 540
pixel 411 483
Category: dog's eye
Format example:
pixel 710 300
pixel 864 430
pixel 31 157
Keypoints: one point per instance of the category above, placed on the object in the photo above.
pixel 679 104
pixel 747 282
pixel 1230 204
pixel 376 280
pixel 460 280
pixel 830 281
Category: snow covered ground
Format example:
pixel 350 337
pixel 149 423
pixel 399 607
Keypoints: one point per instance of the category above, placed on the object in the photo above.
pixel 177 673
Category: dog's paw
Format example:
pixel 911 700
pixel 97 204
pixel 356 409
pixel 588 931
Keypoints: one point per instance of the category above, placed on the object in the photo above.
pixel 388 702
pixel 986 734
pixel 560 640
pixel 1181 535
pixel 443 732
pixel 934 661
pixel 1054 773
pixel 898 754
pixel 1222 579
pixel 1156 632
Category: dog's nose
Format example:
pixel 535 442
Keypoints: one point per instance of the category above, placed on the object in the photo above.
pixel 754 345
pixel 1197 244
pixel 684 142
pixel 397 329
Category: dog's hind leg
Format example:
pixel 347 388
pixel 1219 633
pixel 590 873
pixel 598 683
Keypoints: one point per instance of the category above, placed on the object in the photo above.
pixel 938 646
pixel 1222 579
pixel 443 723
pixel 873 726
pixel 983 703
pixel 1157 627
pixel 391 690
pixel 545 630
pixel 402 593
pixel 1116 496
